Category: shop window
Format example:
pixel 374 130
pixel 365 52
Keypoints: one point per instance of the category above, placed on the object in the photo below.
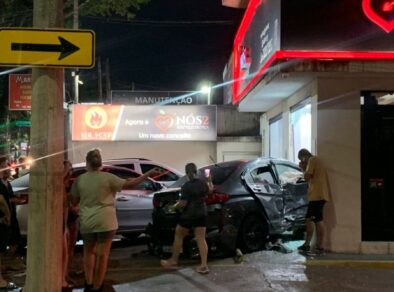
pixel 301 128
pixel 276 137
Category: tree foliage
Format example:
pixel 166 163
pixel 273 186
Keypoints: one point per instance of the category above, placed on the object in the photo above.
pixel 19 13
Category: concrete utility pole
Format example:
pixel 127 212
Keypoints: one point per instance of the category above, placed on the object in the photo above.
pixel 44 252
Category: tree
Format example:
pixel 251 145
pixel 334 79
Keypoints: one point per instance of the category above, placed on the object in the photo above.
pixel 19 13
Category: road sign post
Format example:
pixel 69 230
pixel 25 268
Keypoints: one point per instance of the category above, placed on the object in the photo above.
pixel 47 47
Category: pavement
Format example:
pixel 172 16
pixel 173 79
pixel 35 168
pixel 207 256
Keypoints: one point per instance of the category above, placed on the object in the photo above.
pixel 131 269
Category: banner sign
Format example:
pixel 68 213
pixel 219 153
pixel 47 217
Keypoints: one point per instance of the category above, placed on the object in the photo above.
pixel 131 97
pixel 143 123
pixel 19 97
pixel 276 31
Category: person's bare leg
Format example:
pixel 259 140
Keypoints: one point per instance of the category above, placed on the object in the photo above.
pixel 199 233
pixel 89 259
pixel 320 231
pixel 309 226
pixel 72 240
pixel 65 258
pixel 102 255
pixel 180 233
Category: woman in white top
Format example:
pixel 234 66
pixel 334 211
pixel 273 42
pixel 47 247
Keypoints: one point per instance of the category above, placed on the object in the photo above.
pixel 95 191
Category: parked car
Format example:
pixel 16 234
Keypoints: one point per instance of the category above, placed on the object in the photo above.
pixel 133 206
pixel 141 165
pixel 252 200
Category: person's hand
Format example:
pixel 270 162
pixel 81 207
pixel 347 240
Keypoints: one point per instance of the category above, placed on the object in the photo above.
pixel 180 204
pixel 7 220
pixel 154 172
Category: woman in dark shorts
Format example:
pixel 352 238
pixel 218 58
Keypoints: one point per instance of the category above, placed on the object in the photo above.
pixel 194 216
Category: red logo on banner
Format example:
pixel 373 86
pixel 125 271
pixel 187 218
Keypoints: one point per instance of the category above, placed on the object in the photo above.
pixel 164 121
pixel 96 117
pixel 383 16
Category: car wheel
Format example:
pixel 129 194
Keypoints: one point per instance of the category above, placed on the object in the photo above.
pixel 253 233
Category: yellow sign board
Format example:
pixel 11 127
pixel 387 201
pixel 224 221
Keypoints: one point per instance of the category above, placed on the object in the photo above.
pixel 47 47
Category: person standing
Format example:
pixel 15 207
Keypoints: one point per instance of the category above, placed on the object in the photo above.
pixel 5 222
pixel 318 194
pixel 15 243
pixel 193 217
pixel 95 192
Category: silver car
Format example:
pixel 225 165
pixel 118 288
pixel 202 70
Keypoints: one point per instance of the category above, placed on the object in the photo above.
pixel 133 206
pixel 168 176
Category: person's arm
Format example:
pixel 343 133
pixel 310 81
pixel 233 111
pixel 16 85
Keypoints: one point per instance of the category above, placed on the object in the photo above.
pixel 4 208
pixel 310 168
pixel 210 185
pixel 74 195
pixel 135 181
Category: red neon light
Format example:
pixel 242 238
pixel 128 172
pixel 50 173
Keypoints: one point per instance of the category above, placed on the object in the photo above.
pixel 280 55
pixel 335 55
pixel 386 25
pixel 247 19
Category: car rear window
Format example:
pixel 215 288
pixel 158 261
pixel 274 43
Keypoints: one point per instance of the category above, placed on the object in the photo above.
pixel 219 173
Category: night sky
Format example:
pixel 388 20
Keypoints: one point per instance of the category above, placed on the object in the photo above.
pixel 170 45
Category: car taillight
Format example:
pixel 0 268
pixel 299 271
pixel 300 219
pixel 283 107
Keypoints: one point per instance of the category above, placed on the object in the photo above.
pixel 216 198
pixel 21 199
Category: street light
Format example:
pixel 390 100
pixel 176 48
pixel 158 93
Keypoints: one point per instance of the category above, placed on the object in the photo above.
pixel 207 90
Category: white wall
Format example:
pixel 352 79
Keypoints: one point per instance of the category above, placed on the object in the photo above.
pixel 338 144
pixel 174 154
pixel 238 150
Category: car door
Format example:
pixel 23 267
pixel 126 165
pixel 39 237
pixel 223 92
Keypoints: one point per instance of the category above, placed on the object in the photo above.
pixel 133 206
pixel 261 181
pixel 294 190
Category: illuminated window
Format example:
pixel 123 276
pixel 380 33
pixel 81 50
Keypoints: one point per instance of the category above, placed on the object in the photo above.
pixel 276 137
pixel 301 128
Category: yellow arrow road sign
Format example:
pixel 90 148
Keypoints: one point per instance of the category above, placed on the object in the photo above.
pixel 47 47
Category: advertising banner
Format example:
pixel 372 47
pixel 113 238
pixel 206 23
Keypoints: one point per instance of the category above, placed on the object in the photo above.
pixel 143 123
pixel 19 97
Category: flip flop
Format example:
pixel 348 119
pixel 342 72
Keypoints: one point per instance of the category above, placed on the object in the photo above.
pixel 202 270
pixel 169 265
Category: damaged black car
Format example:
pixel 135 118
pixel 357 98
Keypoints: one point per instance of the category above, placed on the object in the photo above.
pixel 252 201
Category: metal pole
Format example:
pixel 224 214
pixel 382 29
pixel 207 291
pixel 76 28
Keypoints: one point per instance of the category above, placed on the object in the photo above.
pixel 76 26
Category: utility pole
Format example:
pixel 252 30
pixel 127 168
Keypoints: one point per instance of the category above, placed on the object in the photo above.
pixel 107 81
pixel 44 252
pixel 100 80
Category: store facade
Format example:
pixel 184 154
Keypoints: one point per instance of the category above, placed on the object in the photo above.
pixel 322 75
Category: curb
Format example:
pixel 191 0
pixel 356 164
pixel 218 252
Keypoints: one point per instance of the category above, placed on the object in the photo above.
pixel 371 264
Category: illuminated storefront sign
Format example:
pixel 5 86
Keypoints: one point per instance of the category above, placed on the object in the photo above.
pixel 143 123
pixel 19 92
pixel 274 31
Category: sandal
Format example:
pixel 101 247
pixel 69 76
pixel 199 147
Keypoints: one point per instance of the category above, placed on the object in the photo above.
pixel 202 270
pixel 9 286
pixel 168 264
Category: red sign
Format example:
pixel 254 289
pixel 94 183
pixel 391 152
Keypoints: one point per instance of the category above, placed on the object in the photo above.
pixel 379 16
pixel 19 92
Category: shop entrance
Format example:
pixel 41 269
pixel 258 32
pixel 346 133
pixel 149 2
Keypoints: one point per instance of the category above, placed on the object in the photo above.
pixel 377 166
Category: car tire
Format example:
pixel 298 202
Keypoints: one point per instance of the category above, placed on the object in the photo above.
pixel 253 233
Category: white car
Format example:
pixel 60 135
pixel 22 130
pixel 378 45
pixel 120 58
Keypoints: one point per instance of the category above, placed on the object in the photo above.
pixel 168 177
pixel 133 206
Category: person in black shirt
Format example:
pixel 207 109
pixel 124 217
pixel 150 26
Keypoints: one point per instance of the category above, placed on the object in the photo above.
pixel 193 217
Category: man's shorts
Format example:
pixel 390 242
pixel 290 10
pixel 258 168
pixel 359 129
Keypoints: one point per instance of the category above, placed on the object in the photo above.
pixel 315 211
pixel 98 236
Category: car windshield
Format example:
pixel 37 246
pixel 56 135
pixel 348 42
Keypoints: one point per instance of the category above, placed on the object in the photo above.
pixel 219 173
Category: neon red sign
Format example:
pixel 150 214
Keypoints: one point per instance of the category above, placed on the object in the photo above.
pixel 241 87
pixel 375 17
